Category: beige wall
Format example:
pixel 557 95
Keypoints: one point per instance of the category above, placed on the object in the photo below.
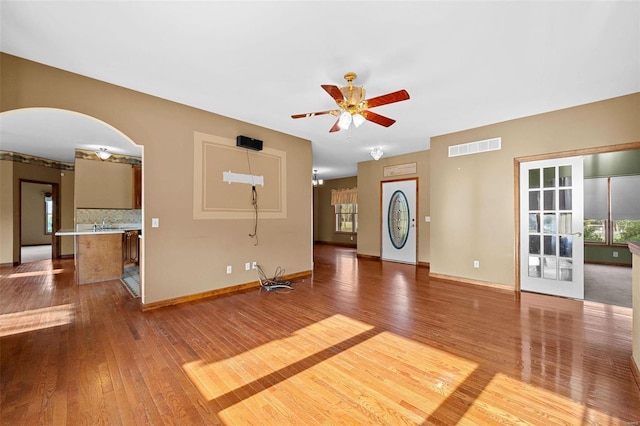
pixel 324 215
pixel 33 214
pixel 472 196
pixel 11 174
pixel 370 176
pixel 103 185
pixel 6 213
pixel 183 256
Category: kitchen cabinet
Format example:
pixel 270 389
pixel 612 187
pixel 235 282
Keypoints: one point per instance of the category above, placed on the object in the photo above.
pixel 130 248
pixel 136 178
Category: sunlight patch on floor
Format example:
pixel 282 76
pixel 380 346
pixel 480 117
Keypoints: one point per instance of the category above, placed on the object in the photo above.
pixel 217 378
pixel 33 274
pixel 333 369
pixel 36 319
pixel 529 401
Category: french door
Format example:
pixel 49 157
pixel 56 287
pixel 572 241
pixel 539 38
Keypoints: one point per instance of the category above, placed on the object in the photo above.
pixel 399 221
pixel 551 227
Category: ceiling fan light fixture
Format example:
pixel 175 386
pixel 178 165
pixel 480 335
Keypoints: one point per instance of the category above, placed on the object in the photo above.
pixel 344 121
pixel 377 153
pixel 358 119
pixel 103 154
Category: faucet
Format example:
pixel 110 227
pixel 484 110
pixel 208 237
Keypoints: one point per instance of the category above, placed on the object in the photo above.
pixel 104 223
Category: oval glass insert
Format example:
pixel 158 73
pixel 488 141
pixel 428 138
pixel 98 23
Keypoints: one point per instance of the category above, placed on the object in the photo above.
pixel 398 219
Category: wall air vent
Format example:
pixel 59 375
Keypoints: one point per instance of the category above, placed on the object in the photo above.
pixel 477 147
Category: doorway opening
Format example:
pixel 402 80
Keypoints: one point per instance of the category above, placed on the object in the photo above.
pixel 39 218
pixel 607 277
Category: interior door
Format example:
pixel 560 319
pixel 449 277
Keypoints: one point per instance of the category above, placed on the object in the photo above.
pixel 551 227
pixel 399 221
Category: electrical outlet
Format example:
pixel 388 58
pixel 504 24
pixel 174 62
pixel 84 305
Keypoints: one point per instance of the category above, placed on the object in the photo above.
pixel 247 266
pixel 615 254
pixel 228 269
pixel 476 263
pixel 253 265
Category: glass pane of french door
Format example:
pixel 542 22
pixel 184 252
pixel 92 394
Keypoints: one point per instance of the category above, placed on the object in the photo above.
pixel 551 227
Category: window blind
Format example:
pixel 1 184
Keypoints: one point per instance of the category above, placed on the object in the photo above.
pixel 596 198
pixel 625 198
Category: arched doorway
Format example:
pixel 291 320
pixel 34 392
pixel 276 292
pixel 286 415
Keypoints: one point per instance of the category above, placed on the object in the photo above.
pixel 40 145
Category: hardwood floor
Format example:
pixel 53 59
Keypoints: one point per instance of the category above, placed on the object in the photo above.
pixel 363 342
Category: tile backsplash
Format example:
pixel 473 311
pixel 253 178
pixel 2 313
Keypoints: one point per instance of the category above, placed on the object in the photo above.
pixel 91 216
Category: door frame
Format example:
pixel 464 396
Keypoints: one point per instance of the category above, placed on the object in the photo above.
pixel 382 182
pixel 550 156
pixel 55 196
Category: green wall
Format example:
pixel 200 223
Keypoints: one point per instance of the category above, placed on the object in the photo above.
pixel 619 163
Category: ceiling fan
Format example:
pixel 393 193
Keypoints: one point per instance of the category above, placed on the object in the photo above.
pixel 354 108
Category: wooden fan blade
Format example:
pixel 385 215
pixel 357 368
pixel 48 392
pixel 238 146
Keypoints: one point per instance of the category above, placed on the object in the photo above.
pixel 335 127
pixel 389 98
pixel 312 114
pixel 334 91
pixel 377 118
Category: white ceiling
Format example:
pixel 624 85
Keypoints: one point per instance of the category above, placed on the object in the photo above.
pixel 464 63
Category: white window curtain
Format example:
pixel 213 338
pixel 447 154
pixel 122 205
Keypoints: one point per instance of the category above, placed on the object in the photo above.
pixel 344 196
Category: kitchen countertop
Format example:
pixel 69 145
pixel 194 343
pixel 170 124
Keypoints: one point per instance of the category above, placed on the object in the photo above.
pixel 87 229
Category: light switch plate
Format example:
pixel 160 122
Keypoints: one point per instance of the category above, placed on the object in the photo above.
pixel 155 222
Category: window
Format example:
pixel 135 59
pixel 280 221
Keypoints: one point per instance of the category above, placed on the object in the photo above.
pixel 345 201
pixel 625 209
pixel 612 210
pixel 347 218
pixel 48 214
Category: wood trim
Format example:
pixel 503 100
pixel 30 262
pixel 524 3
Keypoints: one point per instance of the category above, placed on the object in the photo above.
pixel 214 293
pixel 516 217
pixel 451 278
pixel 424 265
pixel 634 248
pixel 635 371
pixel 595 262
pixel 368 256
pixel 577 152
pixel 336 243
pixel 57 212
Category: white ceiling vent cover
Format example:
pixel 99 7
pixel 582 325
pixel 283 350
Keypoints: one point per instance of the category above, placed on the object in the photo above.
pixel 477 147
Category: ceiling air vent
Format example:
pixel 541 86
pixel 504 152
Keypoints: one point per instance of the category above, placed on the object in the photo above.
pixel 475 147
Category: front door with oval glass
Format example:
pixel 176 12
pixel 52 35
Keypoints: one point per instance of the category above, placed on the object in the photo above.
pixel 399 221
pixel 551 227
